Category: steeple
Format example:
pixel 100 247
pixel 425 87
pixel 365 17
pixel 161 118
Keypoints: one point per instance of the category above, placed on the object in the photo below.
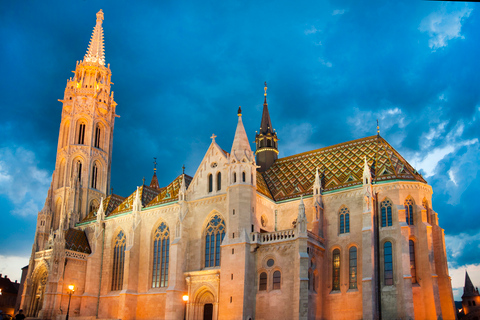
pixel 154 182
pixel 96 52
pixel 469 289
pixel 266 139
pixel 241 146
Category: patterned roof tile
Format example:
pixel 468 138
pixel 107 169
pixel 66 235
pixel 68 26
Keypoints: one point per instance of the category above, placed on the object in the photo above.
pixel 170 192
pixel 76 240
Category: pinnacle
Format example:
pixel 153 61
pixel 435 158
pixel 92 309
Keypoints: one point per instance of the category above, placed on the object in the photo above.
pixel 240 141
pixel 96 51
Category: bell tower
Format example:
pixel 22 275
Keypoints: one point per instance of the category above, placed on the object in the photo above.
pixel 266 140
pixel 82 170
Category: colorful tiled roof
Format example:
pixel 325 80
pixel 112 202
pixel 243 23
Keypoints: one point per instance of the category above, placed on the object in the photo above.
pixel 170 192
pixel 343 165
pixel 262 186
pixel 109 204
pixel 146 195
pixel 76 240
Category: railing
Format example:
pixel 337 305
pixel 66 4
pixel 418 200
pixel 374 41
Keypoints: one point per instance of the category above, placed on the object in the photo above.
pixel 271 237
pixel 43 254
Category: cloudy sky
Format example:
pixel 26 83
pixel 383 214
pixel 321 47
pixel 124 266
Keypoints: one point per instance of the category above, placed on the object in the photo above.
pixel 181 69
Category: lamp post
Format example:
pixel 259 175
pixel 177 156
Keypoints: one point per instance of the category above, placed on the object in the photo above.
pixel 185 299
pixel 71 290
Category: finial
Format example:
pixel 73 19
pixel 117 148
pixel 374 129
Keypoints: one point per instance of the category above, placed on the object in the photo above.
pixel 213 137
pixel 100 16
pixel 265 94
pixel 143 183
pixel 239 112
pixel 154 164
pixel 111 190
pixel 183 169
pixel 378 129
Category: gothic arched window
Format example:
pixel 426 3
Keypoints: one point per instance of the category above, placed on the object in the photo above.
pixel 234 177
pixel 161 250
pixel 352 272
pixel 219 181
pixel 262 283
pixel 277 279
pixel 214 233
pixel 336 270
pixel 118 261
pixel 344 220
pixel 243 176
pixel 409 210
pixel 81 133
pixel 386 207
pixel 98 132
pixel 210 183
pixel 413 269
pixel 388 263
pixel 94 175
pixel 425 205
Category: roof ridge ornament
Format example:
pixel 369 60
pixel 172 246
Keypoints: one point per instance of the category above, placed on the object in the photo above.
pixel 378 129
pixel 96 50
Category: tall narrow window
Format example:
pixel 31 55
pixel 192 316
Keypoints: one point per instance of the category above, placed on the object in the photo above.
pixel 336 270
pixel 413 270
pixel 66 128
pixel 344 220
pixel 94 176
pixel 243 176
pixel 97 136
pixel 262 283
pixel 386 208
pixel 210 183
pixel 214 234
pixel 161 249
pixel 219 181
pixel 61 173
pixel 118 261
pixel 79 171
pixel 277 279
pixel 234 177
pixel 352 268
pixel 425 205
pixel 388 263
pixel 409 211
pixel 81 133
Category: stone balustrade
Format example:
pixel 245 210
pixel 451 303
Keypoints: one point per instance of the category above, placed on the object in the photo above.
pixel 271 237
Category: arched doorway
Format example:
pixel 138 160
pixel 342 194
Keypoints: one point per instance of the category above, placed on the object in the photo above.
pixel 204 306
pixel 37 293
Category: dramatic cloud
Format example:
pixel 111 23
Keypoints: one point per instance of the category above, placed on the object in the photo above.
pixel 444 25
pixel 22 181
pixel 11 266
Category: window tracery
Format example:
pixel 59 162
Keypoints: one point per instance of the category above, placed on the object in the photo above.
pixel 118 261
pixel 161 256
pixel 386 208
pixel 214 234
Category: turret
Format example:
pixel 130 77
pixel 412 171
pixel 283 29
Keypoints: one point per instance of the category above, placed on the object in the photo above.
pixel 266 140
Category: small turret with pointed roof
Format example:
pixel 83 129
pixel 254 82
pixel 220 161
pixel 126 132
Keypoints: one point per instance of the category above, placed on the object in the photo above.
pixel 241 146
pixel 154 182
pixel 469 290
pixel 266 139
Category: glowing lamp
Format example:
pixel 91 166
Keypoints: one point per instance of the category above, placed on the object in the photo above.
pixel 185 297
pixel 71 287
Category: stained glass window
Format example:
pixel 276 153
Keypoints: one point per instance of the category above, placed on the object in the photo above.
pixel 388 263
pixel 161 250
pixel 353 268
pixel 263 282
pixel 336 270
pixel 277 277
pixel 413 270
pixel 118 261
pixel 386 207
pixel 344 220
pixel 409 211
pixel 214 234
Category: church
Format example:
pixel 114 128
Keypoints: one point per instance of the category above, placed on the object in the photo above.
pixel 342 232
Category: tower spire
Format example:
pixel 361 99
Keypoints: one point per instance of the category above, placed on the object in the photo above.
pixel 96 51
pixel 154 182
pixel 240 145
pixel 266 139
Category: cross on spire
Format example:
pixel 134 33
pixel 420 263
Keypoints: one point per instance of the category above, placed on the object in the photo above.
pixel 154 164
pixel 378 129
pixel 183 169
pixel 213 137
pixel 143 181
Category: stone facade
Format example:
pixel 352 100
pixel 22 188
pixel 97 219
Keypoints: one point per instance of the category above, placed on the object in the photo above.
pixel 344 232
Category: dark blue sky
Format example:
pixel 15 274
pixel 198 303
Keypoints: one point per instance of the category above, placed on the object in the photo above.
pixel 181 69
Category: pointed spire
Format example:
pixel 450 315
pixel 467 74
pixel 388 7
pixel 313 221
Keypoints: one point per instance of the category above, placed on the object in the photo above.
pixel 154 182
pixel 240 145
pixel 96 51
pixel 468 288
pixel 183 188
pixel 301 217
pixel 137 202
pixel 101 211
pixel 367 177
pixel 266 124
pixel 317 185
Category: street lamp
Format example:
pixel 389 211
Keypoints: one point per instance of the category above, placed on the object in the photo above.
pixel 185 299
pixel 71 290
